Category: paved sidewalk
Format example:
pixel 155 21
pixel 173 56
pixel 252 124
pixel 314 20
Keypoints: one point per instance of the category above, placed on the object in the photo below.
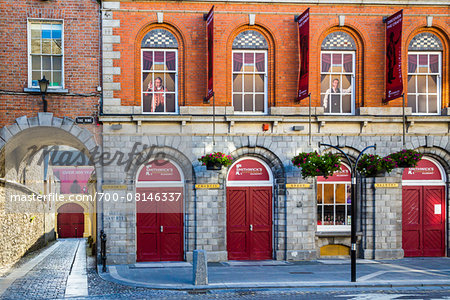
pixel 409 272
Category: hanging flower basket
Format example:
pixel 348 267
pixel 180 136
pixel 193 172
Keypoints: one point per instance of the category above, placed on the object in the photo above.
pixel 406 158
pixel 215 161
pixel 313 164
pixel 370 165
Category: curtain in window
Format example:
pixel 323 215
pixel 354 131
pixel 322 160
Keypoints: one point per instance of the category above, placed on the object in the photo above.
pixel 434 65
pixel 260 62
pixel 326 62
pixel 170 60
pixel 412 63
pixel 237 62
pixel 348 63
pixel 148 60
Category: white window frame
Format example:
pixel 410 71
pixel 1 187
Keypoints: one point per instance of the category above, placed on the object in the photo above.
pixel 243 73
pixel 30 68
pixel 160 71
pixel 438 83
pixel 353 53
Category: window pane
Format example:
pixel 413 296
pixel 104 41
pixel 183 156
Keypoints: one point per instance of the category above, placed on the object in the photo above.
pixel 349 216
pixel 48 75
pixel 46 62
pixel 346 84
pixel 423 63
pixel 35 76
pixel 349 194
pixel 348 63
pixel 170 82
pixel 327 104
pixel 147 60
pixel 422 103
pixel 56 46
pixel 328 193
pixel 434 63
pixel 147 101
pixel 411 84
pixel 340 214
pixel 319 193
pixel 326 62
pixel 259 83
pixel 35 31
pixel 432 84
pixel 56 79
pixel 170 61
pixel 35 46
pixel 147 82
pixel 328 215
pixel 248 83
pixel 325 83
pixel 412 63
pixel 432 104
pixel 412 103
pixel 337 63
pixel 249 62
pixel 346 104
pixel 237 62
pixel 158 82
pixel 56 31
pixel 421 84
pixel 260 62
pixel 237 83
pixel 259 102
pixel 57 63
pixel 340 193
pixel 159 61
pixel 170 102
pixel 36 62
pixel 46 47
pixel 237 102
pixel 46 31
pixel 248 102
pixel 335 102
pixel 319 215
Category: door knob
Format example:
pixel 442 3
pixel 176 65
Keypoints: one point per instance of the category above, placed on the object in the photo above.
pixel 162 228
pixel 251 227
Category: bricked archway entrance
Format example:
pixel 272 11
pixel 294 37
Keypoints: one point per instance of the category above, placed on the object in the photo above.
pixel 249 210
pixel 70 222
pixel 423 210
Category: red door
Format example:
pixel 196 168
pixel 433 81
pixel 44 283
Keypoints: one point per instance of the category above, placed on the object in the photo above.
pixel 423 222
pixel 70 221
pixel 249 223
pixel 160 224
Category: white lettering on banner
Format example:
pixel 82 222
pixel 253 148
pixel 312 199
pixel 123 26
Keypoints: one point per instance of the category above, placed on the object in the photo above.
pixel 250 171
pixel 149 170
pixel 423 170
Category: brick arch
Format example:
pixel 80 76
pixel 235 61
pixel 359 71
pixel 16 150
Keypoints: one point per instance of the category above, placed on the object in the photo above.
pixel 65 132
pixel 269 36
pixel 441 33
pixel 361 42
pixel 440 155
pixel 182 42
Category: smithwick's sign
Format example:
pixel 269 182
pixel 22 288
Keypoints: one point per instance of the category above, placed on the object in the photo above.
pixel 248 169
pixel 159 170
pixel 393 76
pixel 425 170
pixel 303 35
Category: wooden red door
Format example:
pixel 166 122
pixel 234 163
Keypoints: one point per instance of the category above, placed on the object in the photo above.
pixel 249 223
pixel 423 221
pixel 160 225
pixel 70 221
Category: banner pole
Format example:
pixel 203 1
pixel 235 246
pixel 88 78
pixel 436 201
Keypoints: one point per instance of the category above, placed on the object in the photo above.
pixel 404 120
pixel 309 95
pixel 214 119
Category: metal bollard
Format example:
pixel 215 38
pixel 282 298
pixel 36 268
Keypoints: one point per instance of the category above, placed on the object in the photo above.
pixel 103 250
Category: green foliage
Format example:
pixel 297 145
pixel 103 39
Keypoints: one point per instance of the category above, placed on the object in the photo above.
pixel 406 158
pixel 216 158
pixel 371 164
pixel 313 164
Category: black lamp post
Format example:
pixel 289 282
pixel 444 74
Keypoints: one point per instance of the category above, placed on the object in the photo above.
pixel 353 207
pixel 43 85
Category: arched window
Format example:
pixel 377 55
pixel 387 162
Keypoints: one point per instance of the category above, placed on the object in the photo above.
pixel 250 72
pixel 424 74
pixel 337 60
pixel 159 68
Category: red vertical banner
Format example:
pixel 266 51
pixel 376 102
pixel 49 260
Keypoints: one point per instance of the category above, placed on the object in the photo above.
pixel 303 34
pixel 393 76
pixel 210 34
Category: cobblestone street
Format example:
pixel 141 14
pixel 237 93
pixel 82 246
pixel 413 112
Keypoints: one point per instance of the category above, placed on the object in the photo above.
pixel 49 279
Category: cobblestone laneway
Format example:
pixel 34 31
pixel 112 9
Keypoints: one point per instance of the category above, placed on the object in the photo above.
pixel 47 280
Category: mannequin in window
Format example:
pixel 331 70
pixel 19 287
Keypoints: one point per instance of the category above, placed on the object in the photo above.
pixel 332 96
pixel 158 95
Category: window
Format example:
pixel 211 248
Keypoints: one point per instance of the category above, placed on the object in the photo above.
pixel 334 201
pixel 250 72
pixel 45 49
pixel 424 74
pixel 338 73
pixel 159 68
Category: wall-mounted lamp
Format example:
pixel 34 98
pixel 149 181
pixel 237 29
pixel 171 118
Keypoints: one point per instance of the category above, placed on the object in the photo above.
pixel 43 85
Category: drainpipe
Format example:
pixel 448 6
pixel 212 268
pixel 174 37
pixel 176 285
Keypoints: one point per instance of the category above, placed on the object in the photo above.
pixel 195 213
pixel 276 218
pixel 285 217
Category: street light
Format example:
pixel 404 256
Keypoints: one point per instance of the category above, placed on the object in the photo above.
pixel 43 85
pixel 353 207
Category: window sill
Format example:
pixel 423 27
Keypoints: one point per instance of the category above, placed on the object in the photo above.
pixel 49 91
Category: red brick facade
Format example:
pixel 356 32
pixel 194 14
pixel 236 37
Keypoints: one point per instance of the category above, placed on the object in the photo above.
pixel 81 58
pixel 276 22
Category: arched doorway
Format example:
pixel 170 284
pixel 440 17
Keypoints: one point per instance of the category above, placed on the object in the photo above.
pixel 159 212
pixel 249 210
pixel 423 209
pixel 70 221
